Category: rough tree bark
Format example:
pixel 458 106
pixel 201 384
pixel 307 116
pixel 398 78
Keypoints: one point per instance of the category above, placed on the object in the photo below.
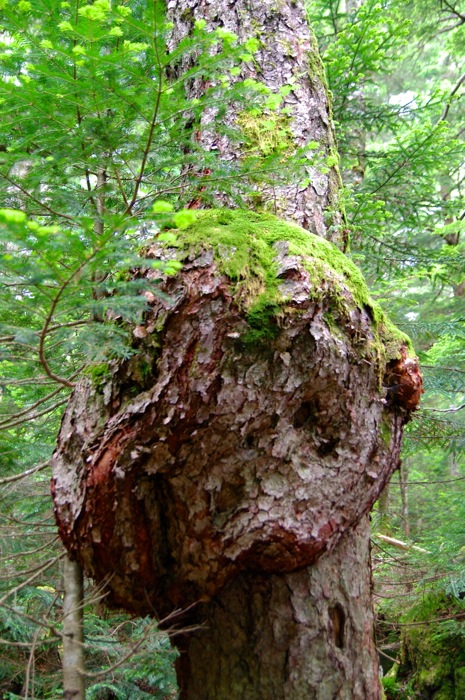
pixel 287 54
pixel 213 470
pixel 230 465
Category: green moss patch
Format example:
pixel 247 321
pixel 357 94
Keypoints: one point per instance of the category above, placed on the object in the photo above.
pixel 434 653
pixel 243 243
pixel 266 134
pixel 99 375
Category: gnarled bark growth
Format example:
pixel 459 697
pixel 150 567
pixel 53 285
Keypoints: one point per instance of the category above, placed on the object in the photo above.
pixel 253 428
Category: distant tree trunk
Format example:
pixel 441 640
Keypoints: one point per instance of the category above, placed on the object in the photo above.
pixel 454 469
pixel 73 637
pixel 353 5
pixel 384 512
pixel 404 495
pixel 233 477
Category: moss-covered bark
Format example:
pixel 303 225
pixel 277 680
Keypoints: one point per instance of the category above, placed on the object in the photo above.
pixel 238 462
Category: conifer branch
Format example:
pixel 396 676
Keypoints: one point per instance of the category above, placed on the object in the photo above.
pixel 25 419
pixel 153 122
pixel 460 81
pixel 36 621
pixel 48 321
pixel 50 210
pixel 27 411
pixel 40 570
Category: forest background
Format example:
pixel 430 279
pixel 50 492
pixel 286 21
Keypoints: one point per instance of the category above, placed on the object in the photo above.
pixel 395 71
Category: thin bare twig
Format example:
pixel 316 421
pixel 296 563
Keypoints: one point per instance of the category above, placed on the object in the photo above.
pixel 447 369
pixel 37 573
pixel 45 329
pixel 34 620
pixel 25 474
pixel 429 483
pixel 36 201
pixel 396 661
pixel 445 410
pixel 451 27
pixel 405 546
pixel 153 122
pixel 26 645
pixel 453 10
pixel 36 415
pixel 30 408
pixel 458 616
pixel 123 659
pixel 57 327
pixel 29 552
pixel 460 81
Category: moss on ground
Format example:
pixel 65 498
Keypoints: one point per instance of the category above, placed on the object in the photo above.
pixel 243 243
pixel 433 654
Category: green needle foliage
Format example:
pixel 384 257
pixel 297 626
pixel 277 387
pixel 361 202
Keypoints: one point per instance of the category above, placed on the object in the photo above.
pixel 96 127
pixel 394 70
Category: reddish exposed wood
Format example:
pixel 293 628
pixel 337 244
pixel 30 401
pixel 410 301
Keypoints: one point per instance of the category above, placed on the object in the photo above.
pixel 404 381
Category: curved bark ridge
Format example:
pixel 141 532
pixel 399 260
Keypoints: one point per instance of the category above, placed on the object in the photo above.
pixel 251 429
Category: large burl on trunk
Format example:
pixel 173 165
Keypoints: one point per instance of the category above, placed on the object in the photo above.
pixel 230 464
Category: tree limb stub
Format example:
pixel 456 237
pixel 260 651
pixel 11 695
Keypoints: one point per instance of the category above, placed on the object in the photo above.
pixel 253 427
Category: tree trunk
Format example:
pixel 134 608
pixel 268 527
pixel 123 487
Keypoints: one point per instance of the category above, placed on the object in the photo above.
pixel 307 634
pixel 224 451
pixel 288 54
pixel 404 496
pixel 73 637
pixel 228 467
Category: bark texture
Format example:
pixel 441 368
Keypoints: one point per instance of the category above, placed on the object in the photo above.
pixel 238 456
pixel 295 636
pixel 208 470
pixel 288 54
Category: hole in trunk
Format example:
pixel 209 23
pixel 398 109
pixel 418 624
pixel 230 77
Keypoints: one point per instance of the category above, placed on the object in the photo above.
pixel 338 621
pixel 327 447
pixel 305 414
